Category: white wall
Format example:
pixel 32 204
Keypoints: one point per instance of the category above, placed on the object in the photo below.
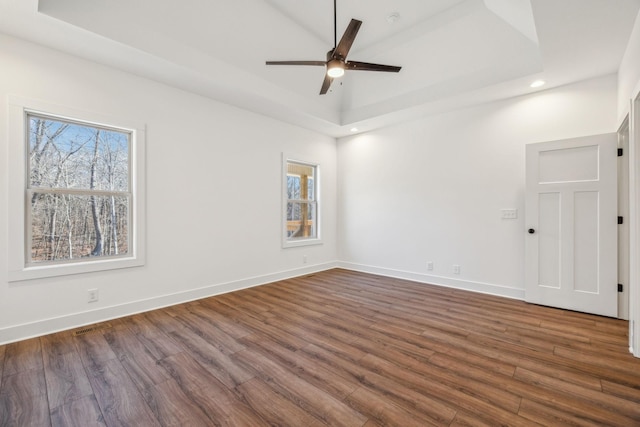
pixel 213 194
pixel 432 189
pixel 629 72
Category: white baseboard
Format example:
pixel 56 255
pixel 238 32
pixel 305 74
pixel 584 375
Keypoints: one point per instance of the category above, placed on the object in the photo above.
pixel 484 288
pixel 75 320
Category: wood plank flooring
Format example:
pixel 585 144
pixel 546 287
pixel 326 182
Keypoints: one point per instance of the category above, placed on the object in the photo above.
pixel 335 348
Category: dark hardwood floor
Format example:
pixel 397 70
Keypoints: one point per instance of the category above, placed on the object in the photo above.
pixel 334 348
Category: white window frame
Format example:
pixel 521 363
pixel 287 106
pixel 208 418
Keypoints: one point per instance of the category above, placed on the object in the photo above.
pixel 19 266
pixel 317 240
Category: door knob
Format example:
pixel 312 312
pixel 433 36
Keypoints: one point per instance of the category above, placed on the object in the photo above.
pixel 531 231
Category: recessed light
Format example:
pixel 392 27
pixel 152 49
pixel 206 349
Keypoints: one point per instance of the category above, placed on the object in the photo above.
pixel 354 129
pixel 393 18
pixel 537 83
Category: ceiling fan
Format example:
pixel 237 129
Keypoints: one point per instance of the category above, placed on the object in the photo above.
pixel 336 62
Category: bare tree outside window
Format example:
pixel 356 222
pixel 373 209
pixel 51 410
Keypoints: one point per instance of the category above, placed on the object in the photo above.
pixel 79 190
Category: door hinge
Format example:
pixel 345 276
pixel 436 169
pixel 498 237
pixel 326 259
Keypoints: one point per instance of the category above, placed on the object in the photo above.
pixel 620 287
pixel 620 220
pixel 620 152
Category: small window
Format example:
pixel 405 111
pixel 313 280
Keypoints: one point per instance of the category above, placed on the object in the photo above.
pixel 74 192
pixel 301 219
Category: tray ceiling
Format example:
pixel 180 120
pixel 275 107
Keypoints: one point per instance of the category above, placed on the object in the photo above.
pixel 453 52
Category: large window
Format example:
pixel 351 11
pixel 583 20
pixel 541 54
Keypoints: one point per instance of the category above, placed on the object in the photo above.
pixel 301 225
pixel 79 194
pixel 78 191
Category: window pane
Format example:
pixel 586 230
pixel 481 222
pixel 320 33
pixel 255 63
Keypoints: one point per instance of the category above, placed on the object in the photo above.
pixel 293 187
pixel 301 220
pixel 310 188
pixel 70 155
pixel 63 226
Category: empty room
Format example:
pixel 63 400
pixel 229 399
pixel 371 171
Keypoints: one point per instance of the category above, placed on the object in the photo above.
pixel 329 212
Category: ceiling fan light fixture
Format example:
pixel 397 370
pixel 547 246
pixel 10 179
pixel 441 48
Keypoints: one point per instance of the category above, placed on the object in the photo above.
pixel 335 68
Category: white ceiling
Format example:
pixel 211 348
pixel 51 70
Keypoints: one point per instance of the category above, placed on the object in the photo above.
pixel 453 52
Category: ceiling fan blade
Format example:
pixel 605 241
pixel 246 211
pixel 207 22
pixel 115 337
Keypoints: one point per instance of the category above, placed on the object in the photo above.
pixel 325 84
pixel 342 50
pixel 366 66
pixel 321 63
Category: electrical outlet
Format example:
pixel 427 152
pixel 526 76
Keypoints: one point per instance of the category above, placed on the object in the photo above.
pixel 430 265
pixel 92 295
pixel 456 269
pixel 304 259
pixel 509 213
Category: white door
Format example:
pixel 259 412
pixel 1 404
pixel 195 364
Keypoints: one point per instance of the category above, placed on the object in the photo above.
pixel 571 216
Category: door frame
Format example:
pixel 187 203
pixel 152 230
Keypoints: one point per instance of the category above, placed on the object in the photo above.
pixel 634 226
pixel 624 235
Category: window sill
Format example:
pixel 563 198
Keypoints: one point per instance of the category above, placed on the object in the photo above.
pixel 302 242
pixel 66 269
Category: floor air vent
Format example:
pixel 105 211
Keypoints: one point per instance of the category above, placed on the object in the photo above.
pixel 92 328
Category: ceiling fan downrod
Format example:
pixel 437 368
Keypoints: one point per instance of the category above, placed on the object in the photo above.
pixel 335 24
